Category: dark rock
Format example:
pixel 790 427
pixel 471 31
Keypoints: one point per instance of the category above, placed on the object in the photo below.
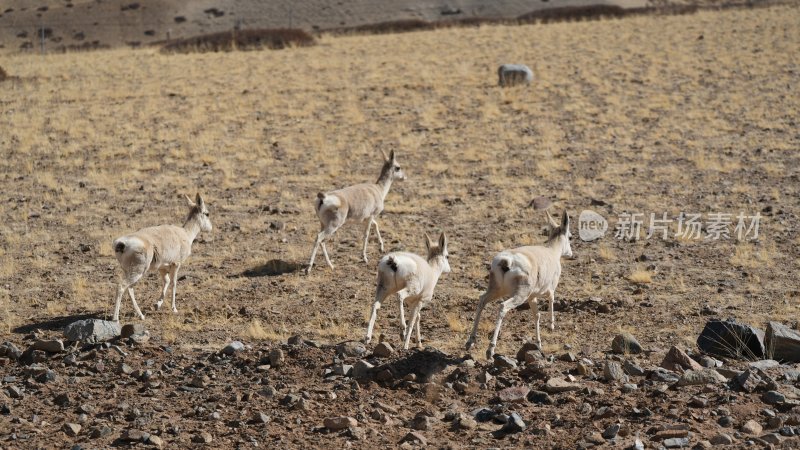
pixel 632 369
pixel 422 422
pixel 748 380
pixel 772 438
pixel 783 343
pixel 625 343
pixel 132 329
pixel 202 437
pixel 730 339
pixel 504 362
pixel 362 369
pixel 515 424
pixel 351 348
pixel 484 414
pixel 540 398
pixel 611 431
pixel 92 331
pixel 773 398
pixel 663 375
pixel 276 357
pixel 10 350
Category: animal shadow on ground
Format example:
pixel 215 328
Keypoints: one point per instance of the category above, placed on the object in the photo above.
pixel 423 363
pixel 55 323
pixel 272 268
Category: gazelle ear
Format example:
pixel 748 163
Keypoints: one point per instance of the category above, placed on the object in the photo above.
pixel 428 242
pixel 391 156
pixel 550 220
pixel 565 220
pixel 443 241
pixel 385 158
pixel 189 200
pixel 199 201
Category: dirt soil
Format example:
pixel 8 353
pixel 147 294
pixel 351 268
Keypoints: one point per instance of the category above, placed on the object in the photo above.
pixel 694 114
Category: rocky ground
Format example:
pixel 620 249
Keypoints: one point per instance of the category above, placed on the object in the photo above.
pixel 132 390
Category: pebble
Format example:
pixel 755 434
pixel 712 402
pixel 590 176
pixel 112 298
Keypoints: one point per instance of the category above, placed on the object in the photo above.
pixel 339 423
pixel 504 362
pixel 383 350
pixel 276 357
pixel 203 437
pixel 557 385
pixel 515 394
pixel 625 343
pixel 752 427
pixel 351 348
pixel 611 431
pixel 233 347
pixel 71 429
pixel 773 398
pixel 612 371
pixel 722 439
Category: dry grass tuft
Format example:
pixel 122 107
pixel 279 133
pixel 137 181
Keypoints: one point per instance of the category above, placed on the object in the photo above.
pixel 641 277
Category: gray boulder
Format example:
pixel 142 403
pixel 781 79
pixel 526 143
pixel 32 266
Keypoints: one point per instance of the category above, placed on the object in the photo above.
pixel 730 339
pixel 92 331
pixel 783 343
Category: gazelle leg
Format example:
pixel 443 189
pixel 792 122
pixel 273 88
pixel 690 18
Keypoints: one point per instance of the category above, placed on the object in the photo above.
pixel 519 298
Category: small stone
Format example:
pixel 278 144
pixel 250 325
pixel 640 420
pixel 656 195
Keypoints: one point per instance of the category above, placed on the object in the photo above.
pixel 711 363
pixel 632 369
pixel 568 357
pixel 484 377
pixel 155 441
pixel 53 346
pixel 557 385
pixel 124 369
pixel 515 424
pixel 260 417
pixel 540 398
pixel 528 346
pixel 351 348
pixel 71 429
pixel 414 437
pixel 466 423
pixel 786 431
pixel 596 439
pixel 677 359
pixel 383 350
pixel 700 377
pixel 343 370
pixel 132 329
pixel 773 398
pixel 362 369
pixel 504 362
pixel 134 436
pixel 202 437
pixel 200 381
pixel 422 422
pixel 722 439
pixel 339 423
pixel 772 438
pixel 671 433
pixel 233 347
pixel 515 394
pixel 612 371
pixel 100 431
pixel 625 343
pixel 611 431
pixel 276 357
pixel 676 442
pixel 698 402
pixel 629 387
pixel 764 364
pixel 752 427
pixel 385 376
pixel 583 369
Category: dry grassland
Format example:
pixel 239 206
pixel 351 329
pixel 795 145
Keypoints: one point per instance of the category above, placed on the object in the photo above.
pixel 649 114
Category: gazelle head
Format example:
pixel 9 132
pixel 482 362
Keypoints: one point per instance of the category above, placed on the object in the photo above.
pixel 199 212
pixel 437 253
pixel 391 169
pixel 561 233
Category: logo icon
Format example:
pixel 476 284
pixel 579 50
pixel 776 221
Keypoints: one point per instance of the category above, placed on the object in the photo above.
pixel 591 226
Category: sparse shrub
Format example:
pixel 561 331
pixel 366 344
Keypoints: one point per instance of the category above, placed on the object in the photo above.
pixel 393 26
pixel 256 39
pixel 3 74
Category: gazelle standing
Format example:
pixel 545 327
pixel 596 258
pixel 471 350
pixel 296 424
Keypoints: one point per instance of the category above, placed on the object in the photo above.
pixel 413 278
pixel 525 273
pixel 161 248
pixel 358 203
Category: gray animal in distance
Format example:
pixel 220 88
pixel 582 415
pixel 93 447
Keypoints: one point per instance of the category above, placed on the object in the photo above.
pixel 514 74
